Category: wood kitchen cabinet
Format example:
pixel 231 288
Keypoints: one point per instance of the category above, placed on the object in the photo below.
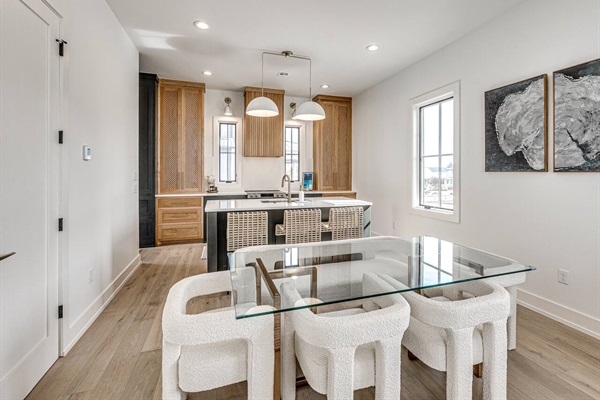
pixel 179 220
pixel 180 137
pixel 263 136
pixel 332 144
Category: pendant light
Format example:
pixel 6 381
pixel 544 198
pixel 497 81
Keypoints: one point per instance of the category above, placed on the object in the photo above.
pixel 309 110
pixel 262 106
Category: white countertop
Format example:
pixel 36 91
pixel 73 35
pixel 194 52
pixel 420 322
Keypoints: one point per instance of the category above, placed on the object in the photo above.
pixel 258 205
pixel 243 193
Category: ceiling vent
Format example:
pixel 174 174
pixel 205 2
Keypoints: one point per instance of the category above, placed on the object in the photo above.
pixel 283 73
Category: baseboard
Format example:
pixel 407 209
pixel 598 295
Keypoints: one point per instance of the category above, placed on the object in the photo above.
pixel 582 322
pixel 83 322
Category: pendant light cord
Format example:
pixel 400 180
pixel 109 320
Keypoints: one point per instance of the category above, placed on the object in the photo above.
pixel 310 80
pixel 262 76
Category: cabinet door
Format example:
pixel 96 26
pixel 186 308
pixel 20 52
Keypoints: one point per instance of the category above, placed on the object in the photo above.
pixel 191 143
pixel 181 148
pixel 326 169
pixel 170 139
pixel 343 139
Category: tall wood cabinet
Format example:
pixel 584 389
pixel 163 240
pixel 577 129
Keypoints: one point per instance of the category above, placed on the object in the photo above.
pixel 180 162
pixel 332 144
pixel 147 158
pixel 263 137
pixel 181 137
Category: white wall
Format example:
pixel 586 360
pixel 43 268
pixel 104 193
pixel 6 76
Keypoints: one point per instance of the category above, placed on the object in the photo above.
pixel 100 109
pixel 548 220
pixel 256 172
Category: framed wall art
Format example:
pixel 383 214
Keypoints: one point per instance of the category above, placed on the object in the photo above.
pixel 577 118
pixel 516 127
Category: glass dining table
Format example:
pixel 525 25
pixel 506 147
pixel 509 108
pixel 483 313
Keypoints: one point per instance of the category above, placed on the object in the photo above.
pixel 327 273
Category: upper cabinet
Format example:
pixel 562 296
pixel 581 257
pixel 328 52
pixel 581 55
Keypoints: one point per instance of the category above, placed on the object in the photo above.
pixel 180 137
pixel 332 144
pixel 263 137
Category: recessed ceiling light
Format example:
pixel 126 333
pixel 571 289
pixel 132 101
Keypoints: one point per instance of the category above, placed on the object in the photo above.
pixel 207 73
pixel 372 47
pixel 201 25
pixel 324 86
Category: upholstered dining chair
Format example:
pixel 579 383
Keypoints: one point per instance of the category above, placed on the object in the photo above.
pixel 346 350
pixel 213 349
pixel 463 327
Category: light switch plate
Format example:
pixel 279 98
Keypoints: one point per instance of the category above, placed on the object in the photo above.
pixel 87 153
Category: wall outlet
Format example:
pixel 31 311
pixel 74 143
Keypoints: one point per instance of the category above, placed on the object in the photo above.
pixel 563 276
pixel 91 274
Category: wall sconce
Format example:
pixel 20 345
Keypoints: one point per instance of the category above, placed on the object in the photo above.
pixel 228 111
pixel 293 107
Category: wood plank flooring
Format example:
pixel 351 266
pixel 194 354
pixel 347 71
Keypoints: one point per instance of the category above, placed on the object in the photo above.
pixel 119 357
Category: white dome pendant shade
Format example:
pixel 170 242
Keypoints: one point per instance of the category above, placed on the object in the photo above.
pixel 262 107
pixel 310 111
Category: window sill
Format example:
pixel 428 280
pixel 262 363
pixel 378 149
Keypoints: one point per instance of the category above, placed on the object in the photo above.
pixel 450 216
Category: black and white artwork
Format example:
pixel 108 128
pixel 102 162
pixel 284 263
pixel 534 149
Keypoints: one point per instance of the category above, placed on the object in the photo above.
pixel 516 127
pixel 577 118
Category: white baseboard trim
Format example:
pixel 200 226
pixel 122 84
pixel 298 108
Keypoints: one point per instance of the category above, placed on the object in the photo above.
pixel 579 321
pixel 87 317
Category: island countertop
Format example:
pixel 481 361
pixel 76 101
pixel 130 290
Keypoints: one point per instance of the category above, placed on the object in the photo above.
pixel 281 204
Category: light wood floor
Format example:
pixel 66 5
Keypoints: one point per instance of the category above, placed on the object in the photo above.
pixel 119 357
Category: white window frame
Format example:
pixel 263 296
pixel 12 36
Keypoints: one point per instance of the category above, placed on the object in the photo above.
pixel 299 127
pixel 238 153
pixel 450 91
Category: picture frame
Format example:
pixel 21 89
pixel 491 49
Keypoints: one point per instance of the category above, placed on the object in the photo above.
pixel 576 103
pixel 516 126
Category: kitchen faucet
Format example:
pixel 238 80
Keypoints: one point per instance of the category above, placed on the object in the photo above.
pixel 289 181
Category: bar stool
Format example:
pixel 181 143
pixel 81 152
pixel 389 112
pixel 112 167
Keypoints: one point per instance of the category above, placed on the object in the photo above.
pixel 245 229
pixel 300 226
pixel 345 223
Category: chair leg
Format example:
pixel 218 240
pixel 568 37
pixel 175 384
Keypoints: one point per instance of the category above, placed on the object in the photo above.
pixel 459 363
pixel 170 376
pixel 288 360
pixel 340 374
pixel 494 360
pixel 260 379
pixel 388 357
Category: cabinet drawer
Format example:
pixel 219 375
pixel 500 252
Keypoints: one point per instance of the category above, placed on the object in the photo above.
pixel 178 202
pixel 179 215
pixel 179 232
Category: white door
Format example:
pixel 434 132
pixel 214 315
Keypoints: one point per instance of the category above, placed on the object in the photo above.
pixel 29 117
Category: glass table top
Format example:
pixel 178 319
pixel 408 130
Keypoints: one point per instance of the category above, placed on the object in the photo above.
pixel 331 272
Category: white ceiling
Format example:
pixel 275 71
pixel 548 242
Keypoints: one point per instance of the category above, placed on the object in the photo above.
pixel 334 33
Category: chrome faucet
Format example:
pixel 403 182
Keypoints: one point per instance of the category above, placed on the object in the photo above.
pixel 289 181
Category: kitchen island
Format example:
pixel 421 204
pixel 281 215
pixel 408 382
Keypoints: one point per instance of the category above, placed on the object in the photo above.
pixel 216 220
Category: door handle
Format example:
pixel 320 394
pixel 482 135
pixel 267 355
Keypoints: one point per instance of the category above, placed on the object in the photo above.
pixel 5 256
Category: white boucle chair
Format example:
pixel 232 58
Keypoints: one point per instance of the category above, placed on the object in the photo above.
pixel 213 349
pixel 343 351
pixel 452 335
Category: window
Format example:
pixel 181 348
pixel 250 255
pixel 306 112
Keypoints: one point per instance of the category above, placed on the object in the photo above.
pixel 227 149
pixel 292 152
pixel 436 158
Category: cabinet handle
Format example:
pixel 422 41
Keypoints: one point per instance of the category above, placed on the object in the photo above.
pixel 5 256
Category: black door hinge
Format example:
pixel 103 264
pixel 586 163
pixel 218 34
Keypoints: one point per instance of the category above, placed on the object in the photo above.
pixel 60 137
pixel 60 312
pixel 61 47
pixel 60 224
